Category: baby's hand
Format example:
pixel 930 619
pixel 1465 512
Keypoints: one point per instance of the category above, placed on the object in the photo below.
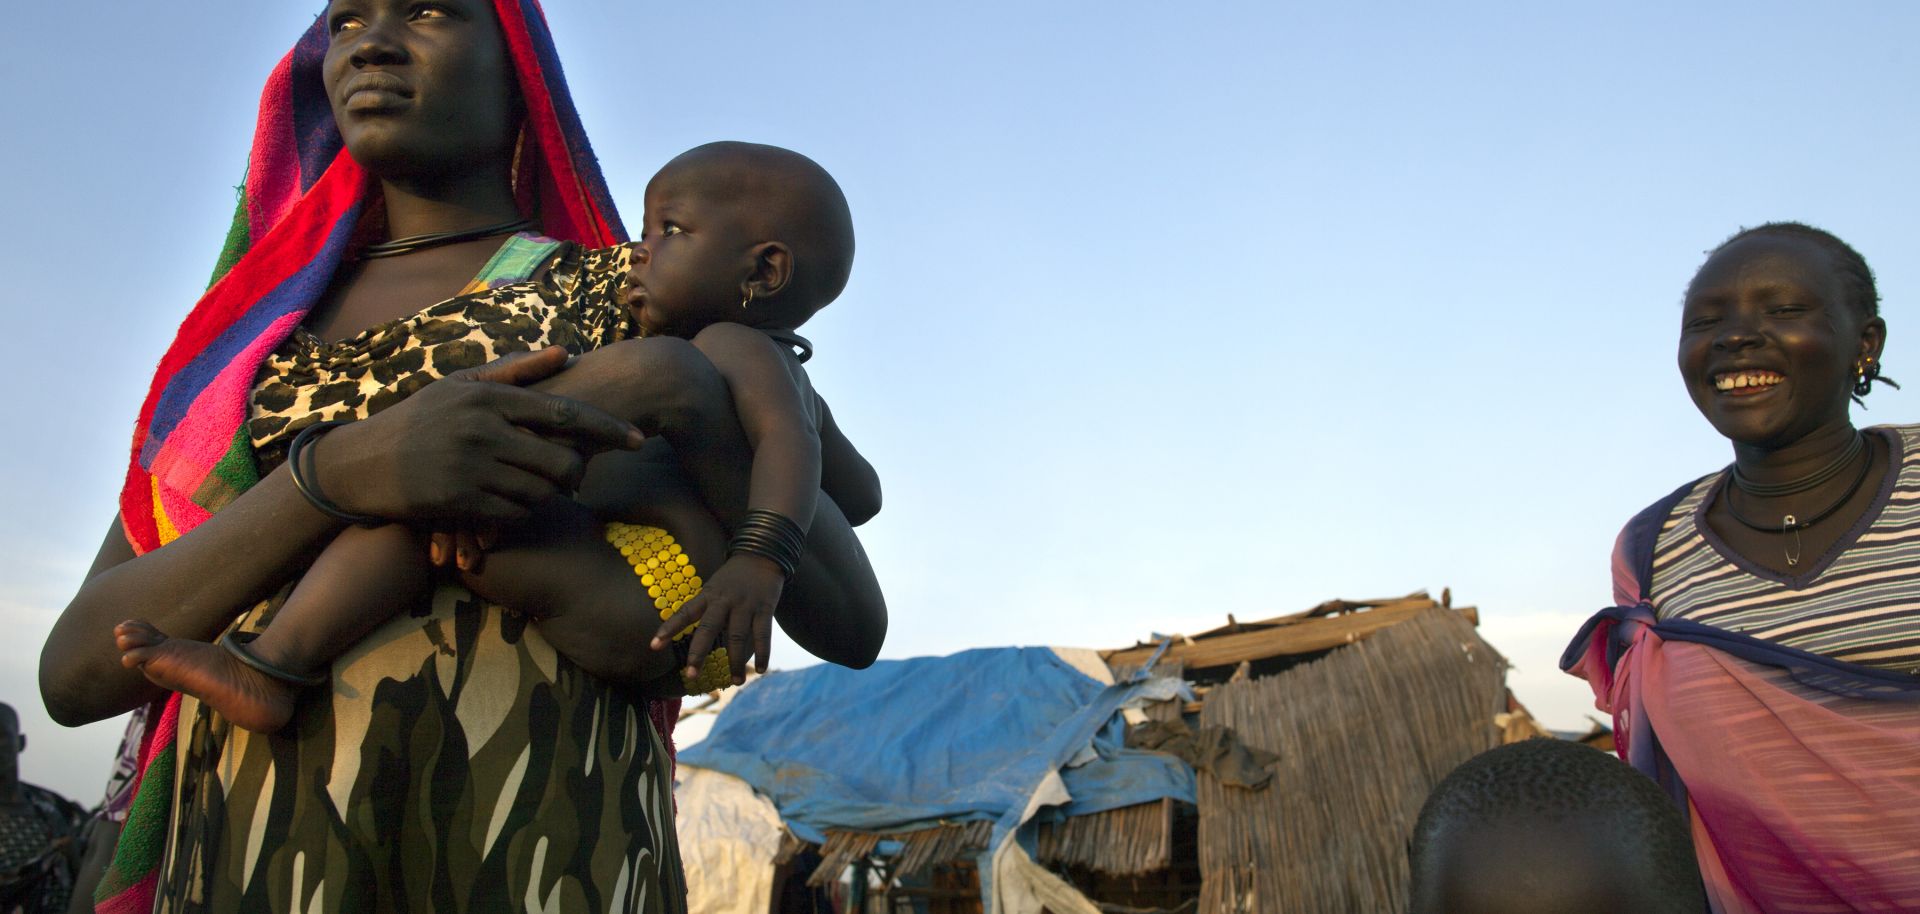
pixel 738 599
pixel 464 549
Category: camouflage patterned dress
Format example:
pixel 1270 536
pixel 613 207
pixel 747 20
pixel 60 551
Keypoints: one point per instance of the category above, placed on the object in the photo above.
pixel 457 763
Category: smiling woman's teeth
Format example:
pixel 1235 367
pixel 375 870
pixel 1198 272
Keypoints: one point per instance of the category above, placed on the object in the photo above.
pixel 1747 379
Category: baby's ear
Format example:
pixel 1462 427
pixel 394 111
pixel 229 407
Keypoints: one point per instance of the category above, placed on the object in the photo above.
pixel 772 268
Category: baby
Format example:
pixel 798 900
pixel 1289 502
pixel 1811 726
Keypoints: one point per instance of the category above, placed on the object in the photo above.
pixel 742 244
pixel 1550 825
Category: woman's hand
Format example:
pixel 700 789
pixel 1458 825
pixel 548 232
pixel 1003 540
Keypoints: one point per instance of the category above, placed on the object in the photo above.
pixel 474 449
pixel 467 450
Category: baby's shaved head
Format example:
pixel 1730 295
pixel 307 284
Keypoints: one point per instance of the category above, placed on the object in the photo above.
pixel 786 197
pixel 1551 825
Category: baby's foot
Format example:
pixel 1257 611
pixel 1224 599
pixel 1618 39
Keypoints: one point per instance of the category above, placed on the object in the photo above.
pixel 242 694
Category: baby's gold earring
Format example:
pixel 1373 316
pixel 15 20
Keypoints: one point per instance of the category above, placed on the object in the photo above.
pixel 748 300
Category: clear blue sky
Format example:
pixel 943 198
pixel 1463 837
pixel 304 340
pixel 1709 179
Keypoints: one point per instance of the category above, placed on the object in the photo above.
pixel 1161 311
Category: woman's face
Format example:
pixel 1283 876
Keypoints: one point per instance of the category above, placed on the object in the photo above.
pixel 420 89
pixel 1769 341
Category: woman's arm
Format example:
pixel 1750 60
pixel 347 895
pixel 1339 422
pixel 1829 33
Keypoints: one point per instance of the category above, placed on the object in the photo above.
pixel 845 475
pixel 458 450
pixel 832 606
pixel 193 588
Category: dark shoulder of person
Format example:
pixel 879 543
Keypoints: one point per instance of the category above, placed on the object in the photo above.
pixel 39 850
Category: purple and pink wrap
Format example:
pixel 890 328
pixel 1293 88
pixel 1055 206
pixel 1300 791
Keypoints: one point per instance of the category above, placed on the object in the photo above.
pixel 1799 774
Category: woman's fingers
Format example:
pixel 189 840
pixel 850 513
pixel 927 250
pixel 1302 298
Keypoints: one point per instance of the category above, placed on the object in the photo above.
pixel 557 463
pixel 519 368
pixel 474 433
pixel 587 428
pixel 489 508
pixel 519 486
pixel 548 414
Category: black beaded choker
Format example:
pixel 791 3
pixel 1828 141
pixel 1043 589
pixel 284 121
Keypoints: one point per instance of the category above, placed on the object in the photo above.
pixel 1805 483
pixel 412 243
pixel 1792 524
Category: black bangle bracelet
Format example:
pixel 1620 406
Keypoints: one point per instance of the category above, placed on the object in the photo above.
pixel 772 536
pixel 297 469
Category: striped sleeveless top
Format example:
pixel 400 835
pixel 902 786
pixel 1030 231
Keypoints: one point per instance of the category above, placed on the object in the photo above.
pixel 1860 603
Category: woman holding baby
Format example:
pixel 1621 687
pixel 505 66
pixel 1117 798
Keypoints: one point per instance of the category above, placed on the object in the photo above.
pixel 407 152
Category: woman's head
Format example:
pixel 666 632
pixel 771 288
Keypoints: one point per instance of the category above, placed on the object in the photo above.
pixel 421 90
pixel 1776 328
pixel 302 202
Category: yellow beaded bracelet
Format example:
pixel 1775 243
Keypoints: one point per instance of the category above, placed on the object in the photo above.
pixel 671 580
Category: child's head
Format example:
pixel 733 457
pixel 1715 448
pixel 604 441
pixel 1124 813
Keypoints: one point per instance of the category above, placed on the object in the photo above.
pixel 1550 825
pixel 732 224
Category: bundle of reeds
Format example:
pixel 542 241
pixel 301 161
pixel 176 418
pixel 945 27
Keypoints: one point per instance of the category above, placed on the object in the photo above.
pixel 1363 734
pixel 1128 841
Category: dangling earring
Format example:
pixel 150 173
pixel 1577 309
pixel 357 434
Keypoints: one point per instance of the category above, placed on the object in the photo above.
pixel 748 300
pixel 1865 373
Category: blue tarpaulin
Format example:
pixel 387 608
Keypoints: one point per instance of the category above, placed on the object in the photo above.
pixel 908 743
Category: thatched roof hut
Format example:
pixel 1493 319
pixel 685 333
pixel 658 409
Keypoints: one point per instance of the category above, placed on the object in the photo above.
pixel 1389 718
pixel 1366 705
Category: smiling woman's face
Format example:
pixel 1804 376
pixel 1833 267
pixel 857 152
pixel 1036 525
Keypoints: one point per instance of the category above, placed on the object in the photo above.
pixel 1769 340
pixel 420 89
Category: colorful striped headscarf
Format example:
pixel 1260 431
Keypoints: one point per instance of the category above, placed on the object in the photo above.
pixel 301 206
pixel 298 214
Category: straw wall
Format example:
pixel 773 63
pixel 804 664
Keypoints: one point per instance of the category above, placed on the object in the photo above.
pixel 1363 735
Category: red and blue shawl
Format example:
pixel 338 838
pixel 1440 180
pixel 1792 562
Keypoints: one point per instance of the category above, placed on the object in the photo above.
pixel 1799 774
pixel 299 214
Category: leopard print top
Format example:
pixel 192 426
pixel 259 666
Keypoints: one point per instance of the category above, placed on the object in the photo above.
pixel 455 762
pixel 309 380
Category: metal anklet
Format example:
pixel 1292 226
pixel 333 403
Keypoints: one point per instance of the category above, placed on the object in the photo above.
pixel 236 644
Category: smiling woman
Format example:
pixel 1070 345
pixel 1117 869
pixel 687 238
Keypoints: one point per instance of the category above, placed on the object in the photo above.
pixel 1772 342
pixel 1762 662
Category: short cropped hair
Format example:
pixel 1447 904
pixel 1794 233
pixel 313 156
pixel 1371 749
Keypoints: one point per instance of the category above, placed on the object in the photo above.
pixel 1855 276
pixel 798 203
pixel 1559 781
